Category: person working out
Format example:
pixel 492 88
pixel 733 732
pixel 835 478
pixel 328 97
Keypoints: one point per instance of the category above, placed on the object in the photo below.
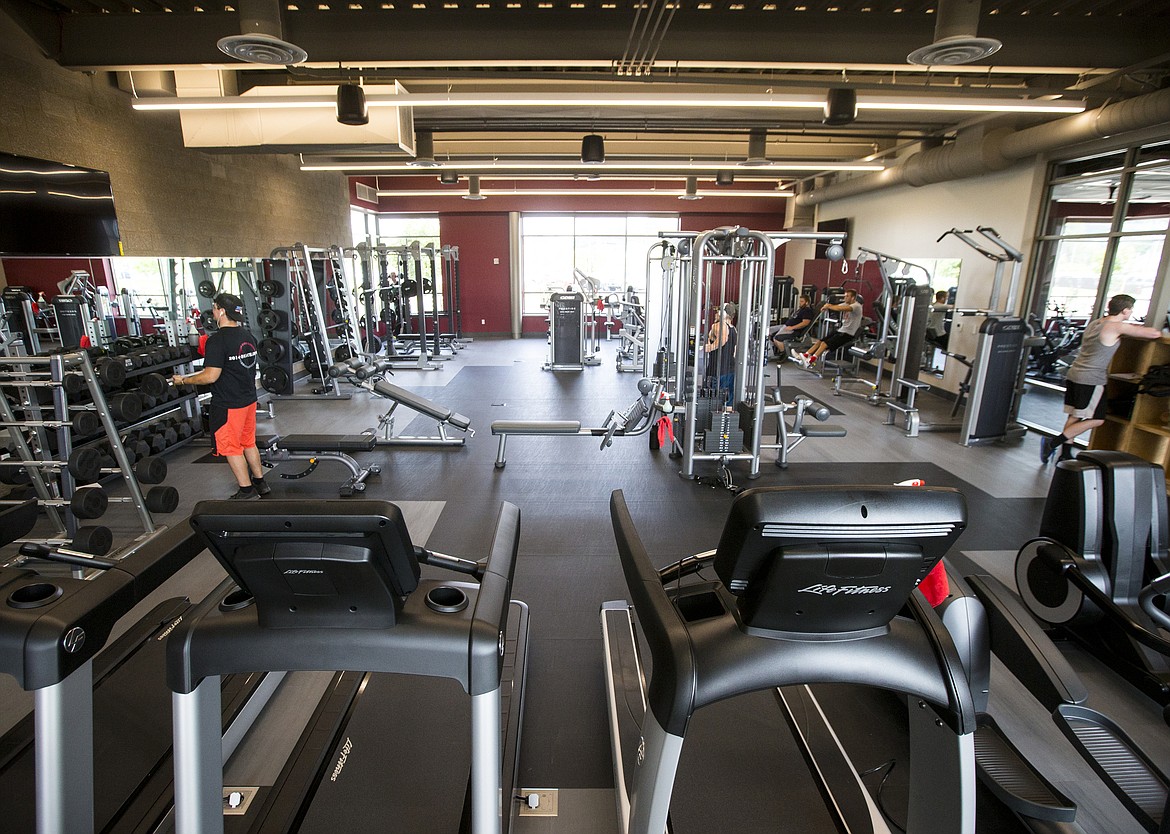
pixel 850 308
pixel 720 350
pixel 229 367
pixel 1084 395
pixel 936 320
pixel 795 326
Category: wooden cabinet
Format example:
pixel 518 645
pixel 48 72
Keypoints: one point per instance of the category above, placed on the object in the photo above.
pixel 1136 423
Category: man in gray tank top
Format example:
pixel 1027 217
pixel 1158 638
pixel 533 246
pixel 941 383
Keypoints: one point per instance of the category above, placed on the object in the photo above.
pixel 1084 395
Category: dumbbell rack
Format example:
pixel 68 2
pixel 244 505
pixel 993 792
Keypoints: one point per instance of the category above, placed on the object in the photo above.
pixel 23 374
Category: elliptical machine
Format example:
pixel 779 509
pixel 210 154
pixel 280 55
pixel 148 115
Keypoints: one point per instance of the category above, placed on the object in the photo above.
pixel 1101 553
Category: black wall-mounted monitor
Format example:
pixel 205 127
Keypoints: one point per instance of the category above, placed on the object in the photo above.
pixel 48 208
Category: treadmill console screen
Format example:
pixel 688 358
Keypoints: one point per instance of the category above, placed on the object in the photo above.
pixel 314 564
pixel 833 559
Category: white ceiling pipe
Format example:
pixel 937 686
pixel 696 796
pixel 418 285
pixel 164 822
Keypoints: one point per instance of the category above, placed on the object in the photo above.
pixel 1000 148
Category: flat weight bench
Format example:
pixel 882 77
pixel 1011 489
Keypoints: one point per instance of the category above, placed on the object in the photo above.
pixel 441 414
pixel 638 418
pixel 315 448
pixel 536 427
pixel 909 411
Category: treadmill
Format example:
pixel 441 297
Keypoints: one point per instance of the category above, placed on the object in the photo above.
pixel 95 752
pixel 810 583
pixel 396 740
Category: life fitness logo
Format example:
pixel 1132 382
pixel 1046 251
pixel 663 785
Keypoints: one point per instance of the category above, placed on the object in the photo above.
pixel 247 356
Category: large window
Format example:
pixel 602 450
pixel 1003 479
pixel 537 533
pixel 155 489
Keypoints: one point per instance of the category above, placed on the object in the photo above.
pixel 1102 233
pixel 609 248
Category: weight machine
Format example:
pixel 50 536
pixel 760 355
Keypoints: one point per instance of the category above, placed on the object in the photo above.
pixel 995 375
pixel 410 261
pixel 729 264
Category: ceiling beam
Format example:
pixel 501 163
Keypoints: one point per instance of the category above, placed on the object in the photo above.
pixel 123 41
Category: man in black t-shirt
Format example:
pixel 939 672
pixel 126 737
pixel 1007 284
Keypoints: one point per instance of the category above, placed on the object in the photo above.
pixel 795 327
pixel 229 367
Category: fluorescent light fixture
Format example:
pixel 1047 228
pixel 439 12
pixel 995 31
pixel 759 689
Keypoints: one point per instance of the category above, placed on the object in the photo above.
pixel 610 168
pixel 705 100
pixel 586 192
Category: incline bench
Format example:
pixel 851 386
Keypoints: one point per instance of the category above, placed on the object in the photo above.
pixel 318 447
pixel 400 396
pixel 369 376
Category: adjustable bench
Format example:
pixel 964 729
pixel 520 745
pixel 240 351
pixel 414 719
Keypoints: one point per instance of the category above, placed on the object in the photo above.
pixel 441 414
pixel 315 448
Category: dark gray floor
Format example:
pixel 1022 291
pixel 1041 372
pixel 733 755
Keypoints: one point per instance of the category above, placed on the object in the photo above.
pixel 568 564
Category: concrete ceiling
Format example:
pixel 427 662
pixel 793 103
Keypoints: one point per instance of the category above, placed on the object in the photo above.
pixel 1098 51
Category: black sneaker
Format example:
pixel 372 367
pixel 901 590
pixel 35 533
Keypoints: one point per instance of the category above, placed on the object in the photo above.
pixel 242 495
pixel 261 486
pixel 1066 452
pixel 1047 447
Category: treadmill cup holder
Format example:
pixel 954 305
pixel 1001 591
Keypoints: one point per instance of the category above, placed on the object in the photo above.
pixel 236 599
pixel 446 599
pixel 34 595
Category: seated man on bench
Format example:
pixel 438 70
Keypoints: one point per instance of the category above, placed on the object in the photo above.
pixel 850 309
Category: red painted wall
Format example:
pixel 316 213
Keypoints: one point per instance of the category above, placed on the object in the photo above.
pixel 43 274
pixel 483 284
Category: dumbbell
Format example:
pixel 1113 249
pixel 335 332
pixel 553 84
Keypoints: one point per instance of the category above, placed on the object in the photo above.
pixel 86 502
pixel 82 423
pixel 85 465
pixel 125 407
pixel 87 545
pixel 158 386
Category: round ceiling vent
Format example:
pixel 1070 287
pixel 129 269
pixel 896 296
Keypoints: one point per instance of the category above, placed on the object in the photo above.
pixel 961 49
pixel 262 49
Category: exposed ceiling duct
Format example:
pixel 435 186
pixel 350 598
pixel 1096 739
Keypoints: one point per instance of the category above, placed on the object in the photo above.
pixel 999 149
pixel 955 41
pixel 261 38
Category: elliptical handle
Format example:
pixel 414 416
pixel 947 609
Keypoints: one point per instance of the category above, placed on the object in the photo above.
pixel 1147 600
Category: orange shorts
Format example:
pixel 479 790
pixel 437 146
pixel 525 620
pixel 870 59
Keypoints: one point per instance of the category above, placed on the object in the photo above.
pixel 233 429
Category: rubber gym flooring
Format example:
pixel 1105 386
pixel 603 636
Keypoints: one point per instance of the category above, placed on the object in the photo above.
pixel 568 564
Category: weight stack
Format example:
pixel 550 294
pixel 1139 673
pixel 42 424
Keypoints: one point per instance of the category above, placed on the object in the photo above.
pixel 723 435
pixel 274 328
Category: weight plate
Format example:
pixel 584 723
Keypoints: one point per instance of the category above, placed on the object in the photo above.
pixel 206 289
pixel 272 350
pixel 274 380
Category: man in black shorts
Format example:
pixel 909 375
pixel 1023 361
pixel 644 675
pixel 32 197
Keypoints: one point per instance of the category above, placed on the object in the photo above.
pixel 1084 393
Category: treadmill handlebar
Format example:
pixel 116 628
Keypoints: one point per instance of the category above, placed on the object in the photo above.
pixel 77 558
pixel 693 668
pixel 442 560
pixel 960 713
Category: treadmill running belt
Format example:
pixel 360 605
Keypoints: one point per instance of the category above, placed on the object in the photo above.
pixel 401 759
